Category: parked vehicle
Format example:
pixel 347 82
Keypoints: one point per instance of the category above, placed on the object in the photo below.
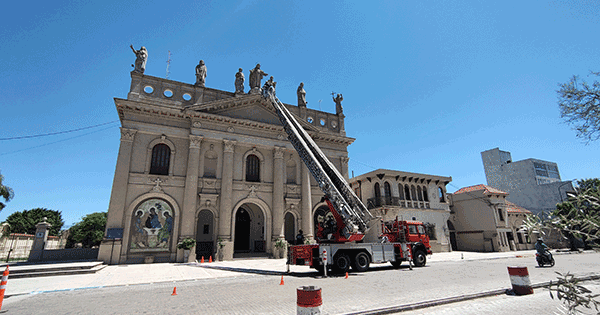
pixel 341 231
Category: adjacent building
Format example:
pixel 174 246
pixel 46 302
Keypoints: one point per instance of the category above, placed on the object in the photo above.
pixel 533 184
pixel 212 165
pixel 409 196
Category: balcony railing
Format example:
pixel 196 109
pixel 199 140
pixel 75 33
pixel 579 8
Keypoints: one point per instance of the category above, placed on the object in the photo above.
pixel 373 203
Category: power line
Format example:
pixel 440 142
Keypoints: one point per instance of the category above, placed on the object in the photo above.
pixel 42 145
pixel 57 133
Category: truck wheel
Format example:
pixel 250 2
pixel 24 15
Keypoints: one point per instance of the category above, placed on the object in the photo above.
pixel 361 262
pixel 341 263
pixel 419 258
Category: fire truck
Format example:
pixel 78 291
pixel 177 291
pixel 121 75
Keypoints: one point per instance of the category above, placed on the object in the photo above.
pixel 340 233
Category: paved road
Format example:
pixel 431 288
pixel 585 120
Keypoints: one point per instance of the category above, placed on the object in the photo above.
pixel 537 303
pixel 260 294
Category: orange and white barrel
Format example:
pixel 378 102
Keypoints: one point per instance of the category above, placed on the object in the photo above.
pixel 309 301
pixel 519 278
pixel 3 285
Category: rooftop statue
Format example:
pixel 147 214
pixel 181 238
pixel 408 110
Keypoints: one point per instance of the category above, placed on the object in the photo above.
pixel 256 76
pixel 270 85
pixel 200 73
pixel 140 59
pixel 338 104
pixel 301 95
pixel 239 81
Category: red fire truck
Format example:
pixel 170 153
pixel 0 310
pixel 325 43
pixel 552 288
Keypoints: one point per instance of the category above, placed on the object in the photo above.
pixel 341 232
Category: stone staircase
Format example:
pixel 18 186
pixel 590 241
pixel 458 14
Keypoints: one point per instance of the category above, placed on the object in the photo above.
pixel 29 270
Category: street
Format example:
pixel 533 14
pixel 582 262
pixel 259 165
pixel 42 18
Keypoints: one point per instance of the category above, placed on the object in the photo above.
pixel 262 294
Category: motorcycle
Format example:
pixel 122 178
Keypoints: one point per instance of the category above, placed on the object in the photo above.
pixel 545 259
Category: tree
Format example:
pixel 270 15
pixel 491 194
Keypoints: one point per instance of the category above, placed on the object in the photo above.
pixel 5 192
pixel 89 231
pixel 579 105
pixel 25 221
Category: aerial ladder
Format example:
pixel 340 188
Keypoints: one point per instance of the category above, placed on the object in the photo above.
pixel 350 214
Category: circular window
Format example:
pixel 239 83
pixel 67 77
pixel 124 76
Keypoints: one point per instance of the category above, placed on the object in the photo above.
pixel 168 93
pixel 148 89
pixel 309 119
pixel 322 121
pixel 187 96
pixel 333 124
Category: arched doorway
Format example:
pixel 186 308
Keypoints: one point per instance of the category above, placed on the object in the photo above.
pixel 452 235
pixel 290 231
pixel 204 235
pixel 249 230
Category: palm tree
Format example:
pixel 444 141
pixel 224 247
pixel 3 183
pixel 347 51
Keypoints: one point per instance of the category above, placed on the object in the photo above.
pixel 5 192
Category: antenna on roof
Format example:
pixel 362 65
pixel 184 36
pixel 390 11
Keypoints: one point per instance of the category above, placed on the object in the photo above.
pixel 168 65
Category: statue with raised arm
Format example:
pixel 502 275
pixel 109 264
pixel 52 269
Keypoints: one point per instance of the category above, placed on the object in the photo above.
pixel 200 73
pixel 140 59
pixel 301 95
pixel 338 104
pixel 239 81
pixel 256 76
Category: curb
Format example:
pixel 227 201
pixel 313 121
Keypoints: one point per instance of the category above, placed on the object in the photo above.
pixel 454 299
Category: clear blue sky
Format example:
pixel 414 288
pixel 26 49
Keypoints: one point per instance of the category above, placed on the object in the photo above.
pixel 426 87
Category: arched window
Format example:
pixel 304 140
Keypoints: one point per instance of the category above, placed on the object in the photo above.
pixel 401 191
pixel 413 193
pixel 407 192
pixel 425 197
pixel 388 193
pixel 419 193
pixel 252 168
pixel 377 194
pixel 161 153
pixel 441 194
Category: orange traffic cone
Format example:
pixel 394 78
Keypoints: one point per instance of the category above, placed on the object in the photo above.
pixel 210 259
pixel 174 291
pixel 202 260
pixel 346 274
pixel 3 285
pixel 281 283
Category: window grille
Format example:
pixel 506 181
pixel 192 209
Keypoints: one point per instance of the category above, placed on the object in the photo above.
pixel 161 154
pixel 252 168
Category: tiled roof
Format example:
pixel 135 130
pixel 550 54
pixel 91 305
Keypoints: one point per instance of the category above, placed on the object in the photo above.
pixel 487 190
pixel 513 208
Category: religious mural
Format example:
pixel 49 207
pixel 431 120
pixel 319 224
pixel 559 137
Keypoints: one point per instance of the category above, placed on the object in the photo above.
pixel 151 226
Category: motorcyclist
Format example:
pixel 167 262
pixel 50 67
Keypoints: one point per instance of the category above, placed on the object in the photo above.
pixel 542 249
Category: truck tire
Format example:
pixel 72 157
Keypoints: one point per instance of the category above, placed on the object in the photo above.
pixel 419 258
pixel 361 262
pixel 341 263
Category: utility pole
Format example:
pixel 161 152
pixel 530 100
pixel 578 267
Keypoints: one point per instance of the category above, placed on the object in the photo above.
pixel 168 65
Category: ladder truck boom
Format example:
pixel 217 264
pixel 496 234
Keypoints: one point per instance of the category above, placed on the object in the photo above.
pixel 347 208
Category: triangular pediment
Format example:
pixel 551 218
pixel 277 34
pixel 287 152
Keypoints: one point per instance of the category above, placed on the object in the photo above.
pixel 247 107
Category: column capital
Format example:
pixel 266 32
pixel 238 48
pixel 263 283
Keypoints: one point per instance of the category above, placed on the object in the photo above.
pixel 344 160
pixel 278 152
pixel 127 134
pixel 195 141
pixel 228 145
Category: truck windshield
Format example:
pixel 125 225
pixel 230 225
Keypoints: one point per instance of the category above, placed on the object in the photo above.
pixel 412 229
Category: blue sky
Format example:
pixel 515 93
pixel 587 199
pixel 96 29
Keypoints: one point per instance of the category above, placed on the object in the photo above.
pixel 427 86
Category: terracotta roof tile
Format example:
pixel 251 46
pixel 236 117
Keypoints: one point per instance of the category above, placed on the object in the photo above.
pixel 487 190
pixel 513 208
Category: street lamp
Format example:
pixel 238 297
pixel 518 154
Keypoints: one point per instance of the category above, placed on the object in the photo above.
pixel 568 182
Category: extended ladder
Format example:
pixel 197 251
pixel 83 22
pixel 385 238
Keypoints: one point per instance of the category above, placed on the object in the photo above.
pixel 350 208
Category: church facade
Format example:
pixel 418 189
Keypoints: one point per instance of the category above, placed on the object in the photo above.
pixel 214 166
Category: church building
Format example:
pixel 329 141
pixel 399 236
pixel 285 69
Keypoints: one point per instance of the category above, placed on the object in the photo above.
pixel 214 166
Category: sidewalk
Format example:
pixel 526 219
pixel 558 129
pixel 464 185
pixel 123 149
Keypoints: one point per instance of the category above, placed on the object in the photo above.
pixel 123 275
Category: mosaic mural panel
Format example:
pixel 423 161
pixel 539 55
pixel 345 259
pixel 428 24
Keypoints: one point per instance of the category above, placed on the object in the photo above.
pixel 151 226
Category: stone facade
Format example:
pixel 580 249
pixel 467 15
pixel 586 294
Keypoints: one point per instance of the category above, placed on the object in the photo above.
pixel 211 165
pixel 533 184
pixel 409 196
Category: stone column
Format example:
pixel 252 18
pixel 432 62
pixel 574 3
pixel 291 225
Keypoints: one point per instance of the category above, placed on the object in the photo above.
pixel 116 206
pixel 39 243
pixel 225 208
pixel 190 195
pixel 344 165
pixel 307 225
pixel 278 165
